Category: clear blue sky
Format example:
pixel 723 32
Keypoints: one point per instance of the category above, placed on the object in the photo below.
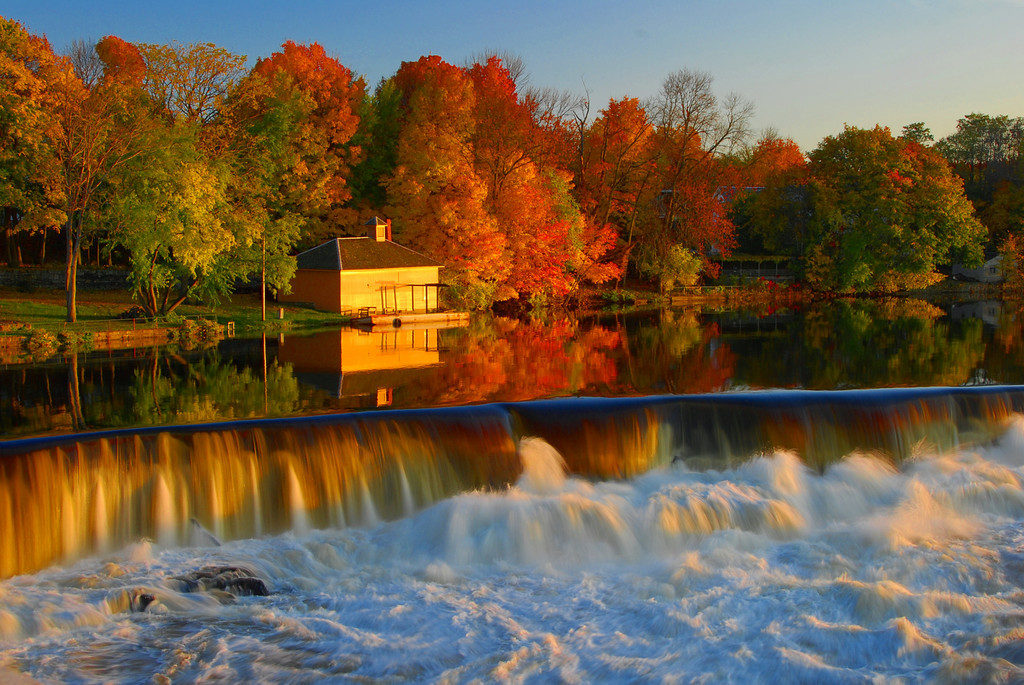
pixel 809 66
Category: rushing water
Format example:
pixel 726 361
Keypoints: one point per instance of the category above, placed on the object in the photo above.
pixel 805 536
pixel 788 535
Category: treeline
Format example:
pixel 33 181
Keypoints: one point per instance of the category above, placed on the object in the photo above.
pixel 198 173
pixel 868 211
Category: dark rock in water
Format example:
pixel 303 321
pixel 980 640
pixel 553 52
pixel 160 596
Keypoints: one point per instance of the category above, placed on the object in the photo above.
pixel 140 601
pixel 234 579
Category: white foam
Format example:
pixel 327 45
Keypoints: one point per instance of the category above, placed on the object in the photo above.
pixel 768 571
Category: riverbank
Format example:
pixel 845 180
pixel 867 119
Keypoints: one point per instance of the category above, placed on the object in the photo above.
pixel 109 310
pixel 32 325
pixel 765 294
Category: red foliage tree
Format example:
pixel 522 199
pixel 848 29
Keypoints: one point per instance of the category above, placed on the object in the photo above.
pixel 122 61
pixel 436 198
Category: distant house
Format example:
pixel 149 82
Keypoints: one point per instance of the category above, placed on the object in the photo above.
pixel 369 274
pixel 989 272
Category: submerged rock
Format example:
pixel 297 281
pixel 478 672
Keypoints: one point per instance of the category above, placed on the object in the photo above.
pixel 139 601
pixel 236 580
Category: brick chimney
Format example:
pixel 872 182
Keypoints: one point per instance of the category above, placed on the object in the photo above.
pixel 379 229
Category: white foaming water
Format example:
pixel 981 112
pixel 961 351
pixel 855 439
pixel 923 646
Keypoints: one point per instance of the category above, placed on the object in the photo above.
pixel 767 572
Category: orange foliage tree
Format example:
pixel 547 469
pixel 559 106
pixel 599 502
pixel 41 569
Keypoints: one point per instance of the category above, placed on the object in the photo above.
pixel 520 192
pixel 773 160
pixel 29 189
pixel 436 198
pixel 122 61
pixel 317 186
pixel 478 184
pixel 772 175
pixel 615 171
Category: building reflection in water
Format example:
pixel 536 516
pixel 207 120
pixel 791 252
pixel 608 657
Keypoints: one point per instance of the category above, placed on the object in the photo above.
pixel 355 363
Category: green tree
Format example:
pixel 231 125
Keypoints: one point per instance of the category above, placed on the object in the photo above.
pixel 984 151
pixel 884 212
pixel 380 122
pixel 918 132
pixel 169 211
pixel 263 122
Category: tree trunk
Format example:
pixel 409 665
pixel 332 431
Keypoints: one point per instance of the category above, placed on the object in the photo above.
pixel 13 248
pixel 42 249
pixel 263 284
pixel 150 290
pixel 181 299
pixel 74 240
pixel 74 396
pixel 265 402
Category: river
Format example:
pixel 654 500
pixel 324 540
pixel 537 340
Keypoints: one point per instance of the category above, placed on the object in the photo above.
pixel 799 496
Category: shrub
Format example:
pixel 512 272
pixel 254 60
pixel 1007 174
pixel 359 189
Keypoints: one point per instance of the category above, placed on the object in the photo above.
pixel 41 344
pixel 473 295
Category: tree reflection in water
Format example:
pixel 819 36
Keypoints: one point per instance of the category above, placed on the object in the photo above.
pixel 841 344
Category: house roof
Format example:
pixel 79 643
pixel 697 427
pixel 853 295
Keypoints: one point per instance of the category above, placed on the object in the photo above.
pixel 345 254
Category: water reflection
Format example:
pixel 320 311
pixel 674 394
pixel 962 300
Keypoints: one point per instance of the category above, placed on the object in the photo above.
pixel 842 344
pixel 356 363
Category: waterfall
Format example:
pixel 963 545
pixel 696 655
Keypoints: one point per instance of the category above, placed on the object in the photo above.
pixel 69 496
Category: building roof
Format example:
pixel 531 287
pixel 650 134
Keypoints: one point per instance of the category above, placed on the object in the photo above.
pixel 346 254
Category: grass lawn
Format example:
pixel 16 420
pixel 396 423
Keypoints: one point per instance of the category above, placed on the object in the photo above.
pixel 98 310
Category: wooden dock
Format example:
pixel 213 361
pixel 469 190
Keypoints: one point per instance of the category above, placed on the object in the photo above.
pixel 418 319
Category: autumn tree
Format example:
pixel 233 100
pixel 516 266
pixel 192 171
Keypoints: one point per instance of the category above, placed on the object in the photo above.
pixel 188 81
pixel 693 129
pixel 317 185
pixel 120 61
pixel 765 209
pixel 615 178
pixel 98 132
pixel 436 197
pixel 772 160
pixel 884 212
pixel 507 149
pixel 30 195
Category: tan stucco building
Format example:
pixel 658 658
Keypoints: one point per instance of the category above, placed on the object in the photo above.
pixel 350 275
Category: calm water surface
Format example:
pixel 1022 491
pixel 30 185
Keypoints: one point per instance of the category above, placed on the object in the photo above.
pixel 847 344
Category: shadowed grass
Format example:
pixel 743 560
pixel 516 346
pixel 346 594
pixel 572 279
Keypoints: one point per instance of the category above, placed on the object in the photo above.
pixel 99 311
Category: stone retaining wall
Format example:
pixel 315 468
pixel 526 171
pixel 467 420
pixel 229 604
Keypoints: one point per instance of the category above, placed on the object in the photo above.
pixel 36 277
